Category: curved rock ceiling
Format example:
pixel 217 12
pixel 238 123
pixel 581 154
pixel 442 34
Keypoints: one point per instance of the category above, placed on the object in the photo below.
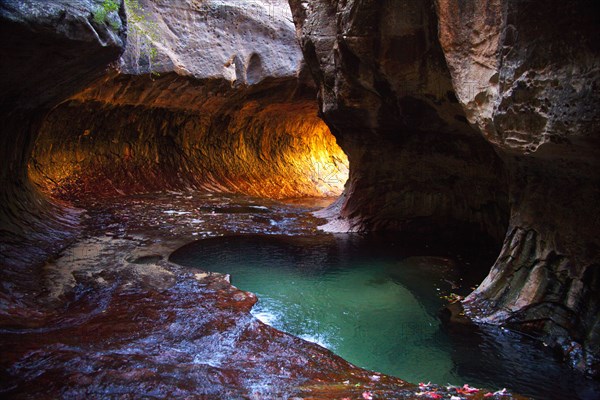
pixel 219 106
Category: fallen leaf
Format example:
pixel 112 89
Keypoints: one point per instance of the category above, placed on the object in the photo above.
pixel 468 389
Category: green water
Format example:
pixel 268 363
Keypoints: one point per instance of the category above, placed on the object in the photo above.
pixel 376 304
pixel 361 313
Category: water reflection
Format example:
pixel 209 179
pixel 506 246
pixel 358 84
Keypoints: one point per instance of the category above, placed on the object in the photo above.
pixel 375 302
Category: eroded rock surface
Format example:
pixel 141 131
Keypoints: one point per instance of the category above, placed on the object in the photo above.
pixel 386 93
pixel 521 76
pixel 230 110
pixel 446 131
pixel 115 318
pixel 105 319
pixel 528 78
pixel 49 51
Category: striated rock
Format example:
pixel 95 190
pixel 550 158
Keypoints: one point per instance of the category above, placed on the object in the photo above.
pixel 248 141
pixel 528 77
pixel 386 94
pixel 228 111
pixel 458 118
pixel 49 51
pixel 98 321
pixel 495 113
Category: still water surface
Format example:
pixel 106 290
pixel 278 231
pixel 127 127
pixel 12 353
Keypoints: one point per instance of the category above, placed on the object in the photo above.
pixel 376 304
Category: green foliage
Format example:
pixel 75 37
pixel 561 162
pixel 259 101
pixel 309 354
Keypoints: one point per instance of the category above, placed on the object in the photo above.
pixel 143 31
pixel 101 13
pixel 135 13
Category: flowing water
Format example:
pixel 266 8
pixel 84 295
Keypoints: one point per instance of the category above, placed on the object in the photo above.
pixel 376 304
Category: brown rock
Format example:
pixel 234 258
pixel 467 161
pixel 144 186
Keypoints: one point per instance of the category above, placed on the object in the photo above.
pixel 49 51
pixel 410 106
pixel 386 93
pixel 236 116
pixel 527 77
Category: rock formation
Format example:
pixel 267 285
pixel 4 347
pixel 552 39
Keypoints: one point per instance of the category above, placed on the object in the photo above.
pixel 459 112
pixel 385 92
pixel 194 101
pixel 460 119
pixel 208 95
pixel 49 52
pixel 528 77
pixel 244 122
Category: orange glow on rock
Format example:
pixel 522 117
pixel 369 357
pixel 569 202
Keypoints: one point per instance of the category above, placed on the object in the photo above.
pixel 275 150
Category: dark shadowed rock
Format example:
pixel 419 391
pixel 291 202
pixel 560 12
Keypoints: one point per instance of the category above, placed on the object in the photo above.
pixel 462 112
pixel 387 95
pixel 528 77
pixel 49 51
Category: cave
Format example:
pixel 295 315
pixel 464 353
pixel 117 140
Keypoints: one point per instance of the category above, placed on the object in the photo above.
pixel 163 160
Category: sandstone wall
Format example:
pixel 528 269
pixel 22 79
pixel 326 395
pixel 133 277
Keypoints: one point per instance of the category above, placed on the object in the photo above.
pixel 528 77
pixel 223 104
pixel 386 93
pixel 49 51
pixel 472 112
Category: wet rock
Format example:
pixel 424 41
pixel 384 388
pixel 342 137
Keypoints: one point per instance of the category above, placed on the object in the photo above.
pixel 50 50
pixel 113 329
pixel 147 259
pixel 111 333
pixel 527 77
pixel 483 114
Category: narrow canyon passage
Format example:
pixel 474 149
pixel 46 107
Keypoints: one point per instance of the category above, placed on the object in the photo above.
pixel 162 161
